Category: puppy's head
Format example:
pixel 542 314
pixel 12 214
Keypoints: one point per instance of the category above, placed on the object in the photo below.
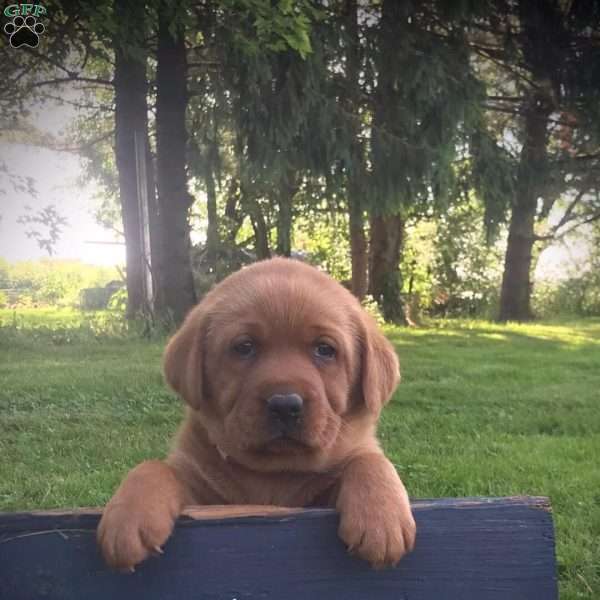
pixel 283 367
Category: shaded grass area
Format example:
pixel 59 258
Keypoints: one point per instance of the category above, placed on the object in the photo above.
pixel 482 410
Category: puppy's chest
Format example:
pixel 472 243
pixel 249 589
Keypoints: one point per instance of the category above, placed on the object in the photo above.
pixel 282 489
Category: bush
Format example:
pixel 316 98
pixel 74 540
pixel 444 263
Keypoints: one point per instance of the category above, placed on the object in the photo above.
pixel 64 326
pixel 449 268
pixel 53 282
pixel 576 296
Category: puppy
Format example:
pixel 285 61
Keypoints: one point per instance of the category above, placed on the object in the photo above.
pixel 284 376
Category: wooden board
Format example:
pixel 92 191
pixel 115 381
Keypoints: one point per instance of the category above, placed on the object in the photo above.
pixel 479 549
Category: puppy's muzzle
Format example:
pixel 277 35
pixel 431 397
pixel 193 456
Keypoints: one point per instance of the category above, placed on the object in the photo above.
pixel 285 412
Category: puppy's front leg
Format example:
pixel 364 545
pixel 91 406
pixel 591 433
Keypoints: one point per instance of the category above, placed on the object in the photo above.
pixel 140 516
pixel 376 521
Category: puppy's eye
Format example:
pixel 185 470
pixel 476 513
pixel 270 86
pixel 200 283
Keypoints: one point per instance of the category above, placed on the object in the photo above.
pixel 325 351
pixel 245 348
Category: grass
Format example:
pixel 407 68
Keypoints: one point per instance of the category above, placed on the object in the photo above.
pixel 482 410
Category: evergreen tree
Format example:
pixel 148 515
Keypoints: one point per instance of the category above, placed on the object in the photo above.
pixel 538 147
pixel 424 99
pixel 356 167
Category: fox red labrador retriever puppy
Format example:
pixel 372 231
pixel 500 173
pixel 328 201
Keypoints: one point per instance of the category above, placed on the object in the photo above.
pixel 284 375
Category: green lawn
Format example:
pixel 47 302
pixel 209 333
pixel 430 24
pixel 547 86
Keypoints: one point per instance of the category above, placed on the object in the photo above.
pixel 482 410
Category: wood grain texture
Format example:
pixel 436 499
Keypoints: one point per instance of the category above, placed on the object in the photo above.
pixel 477 548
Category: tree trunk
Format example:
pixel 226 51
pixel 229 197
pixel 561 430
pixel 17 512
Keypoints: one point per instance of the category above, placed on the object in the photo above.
pixel 130 117
pixel 287 190
pixel 155 225
pixel 212 233
pixel 387 236
pixel 358 248
pixel 355 174
pixel 171 138
pixel 516 280
pixel 252 208
pixel 284 227
pixel 261 234
pixel 387 226
pixel 233 216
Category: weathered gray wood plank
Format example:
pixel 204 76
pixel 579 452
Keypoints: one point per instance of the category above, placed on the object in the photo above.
pixel 479 549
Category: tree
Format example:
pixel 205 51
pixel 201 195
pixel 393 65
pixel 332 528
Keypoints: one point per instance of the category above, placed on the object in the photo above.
pixel 174 198
pixel 131 147
pixel 543 115
pixel 356 168
pixel 75 54
pixel 424 99
pixel 387 225
pixel 538 23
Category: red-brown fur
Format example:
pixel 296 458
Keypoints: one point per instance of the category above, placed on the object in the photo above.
pixel 224 452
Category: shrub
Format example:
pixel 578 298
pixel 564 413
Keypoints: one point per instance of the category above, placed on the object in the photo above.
pixel 576 296
pixel 54 282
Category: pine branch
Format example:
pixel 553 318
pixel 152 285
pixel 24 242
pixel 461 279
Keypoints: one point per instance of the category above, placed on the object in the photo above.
pixel 73 78
pixel 46 59
pixel 87 145
pixel 71 74
pixel 492 51
pixel 205 63
pixel 510 111
pixel 516 112
pixel 508 68
pixel 82 105
pixel 86 56
pixel 12 83
pixel 505 98
pixel 580 157
pixel 591 219
pixel 569 217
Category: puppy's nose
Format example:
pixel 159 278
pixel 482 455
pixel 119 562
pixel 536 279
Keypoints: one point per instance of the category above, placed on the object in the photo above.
pixel 285 408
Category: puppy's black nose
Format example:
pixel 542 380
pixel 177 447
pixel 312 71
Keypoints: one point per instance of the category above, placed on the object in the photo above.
pixel 285 408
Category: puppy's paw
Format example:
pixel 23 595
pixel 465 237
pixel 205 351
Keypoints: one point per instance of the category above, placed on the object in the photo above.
pixel 128 535
pixel 378 532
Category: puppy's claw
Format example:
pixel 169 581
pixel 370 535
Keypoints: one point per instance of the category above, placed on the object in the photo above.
pixel 158 550
pixel 127 570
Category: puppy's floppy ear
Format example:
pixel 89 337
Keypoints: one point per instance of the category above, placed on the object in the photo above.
pixel 380 369
pixel 183 363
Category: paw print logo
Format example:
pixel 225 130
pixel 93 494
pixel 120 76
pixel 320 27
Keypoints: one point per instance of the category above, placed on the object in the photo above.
pixel 24 31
